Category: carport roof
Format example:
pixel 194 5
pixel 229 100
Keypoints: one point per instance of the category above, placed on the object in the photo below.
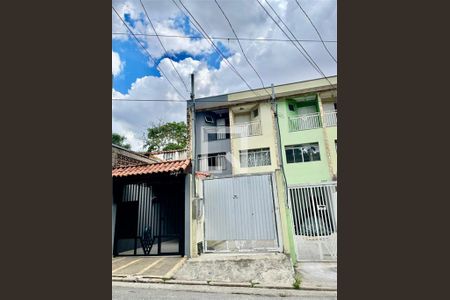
pixel 163 167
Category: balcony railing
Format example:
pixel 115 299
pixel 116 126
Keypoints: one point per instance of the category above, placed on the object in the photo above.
pixel 246 129
pixel 312 121
pixel 330 118
pixel 305 122
pixel 212 163
pixel 214 133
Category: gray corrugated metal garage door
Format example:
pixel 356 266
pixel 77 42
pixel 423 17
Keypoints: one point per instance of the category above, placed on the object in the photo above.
pixel 239 208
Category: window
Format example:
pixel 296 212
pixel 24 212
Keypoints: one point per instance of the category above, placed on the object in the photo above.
pixel 335 106
pixel 302 153
pixel 209 119
pixel 212 162
pixel 254 157
pixel 335 144
pixel 255 113
pixel 291 107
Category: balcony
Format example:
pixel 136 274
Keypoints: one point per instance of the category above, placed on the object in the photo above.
pixel 312 121
pixel 215 133
pixel 305 122
pixel 246 129
pixel 212 162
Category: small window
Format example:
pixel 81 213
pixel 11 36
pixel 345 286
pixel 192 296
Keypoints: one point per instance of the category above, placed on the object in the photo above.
pixel 335 144
pixel 302 153
pixel 255 113
pixel 209 119
pixel 335 106
pixel 255 157
pixel 291 107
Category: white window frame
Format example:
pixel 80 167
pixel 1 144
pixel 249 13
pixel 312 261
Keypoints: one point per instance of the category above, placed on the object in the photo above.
pixel 258 157
pixel 303 150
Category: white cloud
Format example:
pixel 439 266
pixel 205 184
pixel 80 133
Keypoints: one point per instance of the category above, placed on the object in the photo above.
pixel 276 62
pixel 117 64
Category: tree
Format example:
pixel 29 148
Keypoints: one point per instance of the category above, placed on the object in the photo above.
pixel 166 136
pixel 119 140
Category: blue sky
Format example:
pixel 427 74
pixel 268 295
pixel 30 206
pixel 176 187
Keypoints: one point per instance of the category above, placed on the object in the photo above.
pixel 133 56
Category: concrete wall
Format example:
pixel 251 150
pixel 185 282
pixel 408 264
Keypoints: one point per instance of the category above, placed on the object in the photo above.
pixel 287 226
pixel 125 157
pixel 266 140
pixel 332 137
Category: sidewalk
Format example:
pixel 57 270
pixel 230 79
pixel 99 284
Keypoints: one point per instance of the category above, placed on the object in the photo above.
pixel 317 275
pixel 268 270
pixel 261 270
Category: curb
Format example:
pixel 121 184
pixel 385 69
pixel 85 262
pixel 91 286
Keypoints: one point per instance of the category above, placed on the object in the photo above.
pixel 216 283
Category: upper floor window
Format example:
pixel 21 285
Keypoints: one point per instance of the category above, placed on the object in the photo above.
pixel 302 153
pixel 254 157
pixel 255 113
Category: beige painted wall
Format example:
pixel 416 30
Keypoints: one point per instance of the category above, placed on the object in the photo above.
pixel 266 140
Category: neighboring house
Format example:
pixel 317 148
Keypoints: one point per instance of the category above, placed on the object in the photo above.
pixel 125 157
pixel 308 129
pixel 169 154
pixel 151 203
pixel 241 137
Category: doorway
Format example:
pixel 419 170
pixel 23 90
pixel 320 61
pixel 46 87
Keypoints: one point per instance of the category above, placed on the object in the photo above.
pixel 149 214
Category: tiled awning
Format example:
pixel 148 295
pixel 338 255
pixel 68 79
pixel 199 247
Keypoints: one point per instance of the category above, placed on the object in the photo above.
pixel 163 167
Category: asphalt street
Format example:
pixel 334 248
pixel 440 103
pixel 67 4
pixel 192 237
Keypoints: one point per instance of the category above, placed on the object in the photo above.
pixel 165 291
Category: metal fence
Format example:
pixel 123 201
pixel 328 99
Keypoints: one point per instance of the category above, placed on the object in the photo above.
pixel 314 211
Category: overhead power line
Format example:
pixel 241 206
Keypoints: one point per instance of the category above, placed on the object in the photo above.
pixel 242 49
pixel 148 53
pixel 305 54
pixel 146 100
pixel 164 48
pixel 317 31
pixel 227 38
pixel 203 32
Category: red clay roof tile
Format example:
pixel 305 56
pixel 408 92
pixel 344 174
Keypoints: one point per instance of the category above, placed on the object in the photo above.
pixel 163 167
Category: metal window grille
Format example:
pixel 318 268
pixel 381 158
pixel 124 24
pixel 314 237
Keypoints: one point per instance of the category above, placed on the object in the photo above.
pixel 255 157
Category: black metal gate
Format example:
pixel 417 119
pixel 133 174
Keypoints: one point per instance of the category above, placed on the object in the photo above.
pixel 148 211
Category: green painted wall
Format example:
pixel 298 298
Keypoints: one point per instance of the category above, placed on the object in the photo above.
pixel 304 172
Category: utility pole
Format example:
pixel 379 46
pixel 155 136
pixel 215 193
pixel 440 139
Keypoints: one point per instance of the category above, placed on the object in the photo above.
pixel 277 129
pixel 193 148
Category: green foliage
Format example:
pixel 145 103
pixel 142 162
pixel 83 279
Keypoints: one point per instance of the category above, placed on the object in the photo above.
pixel 119 140
pixel 167 136
pixel 297 281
